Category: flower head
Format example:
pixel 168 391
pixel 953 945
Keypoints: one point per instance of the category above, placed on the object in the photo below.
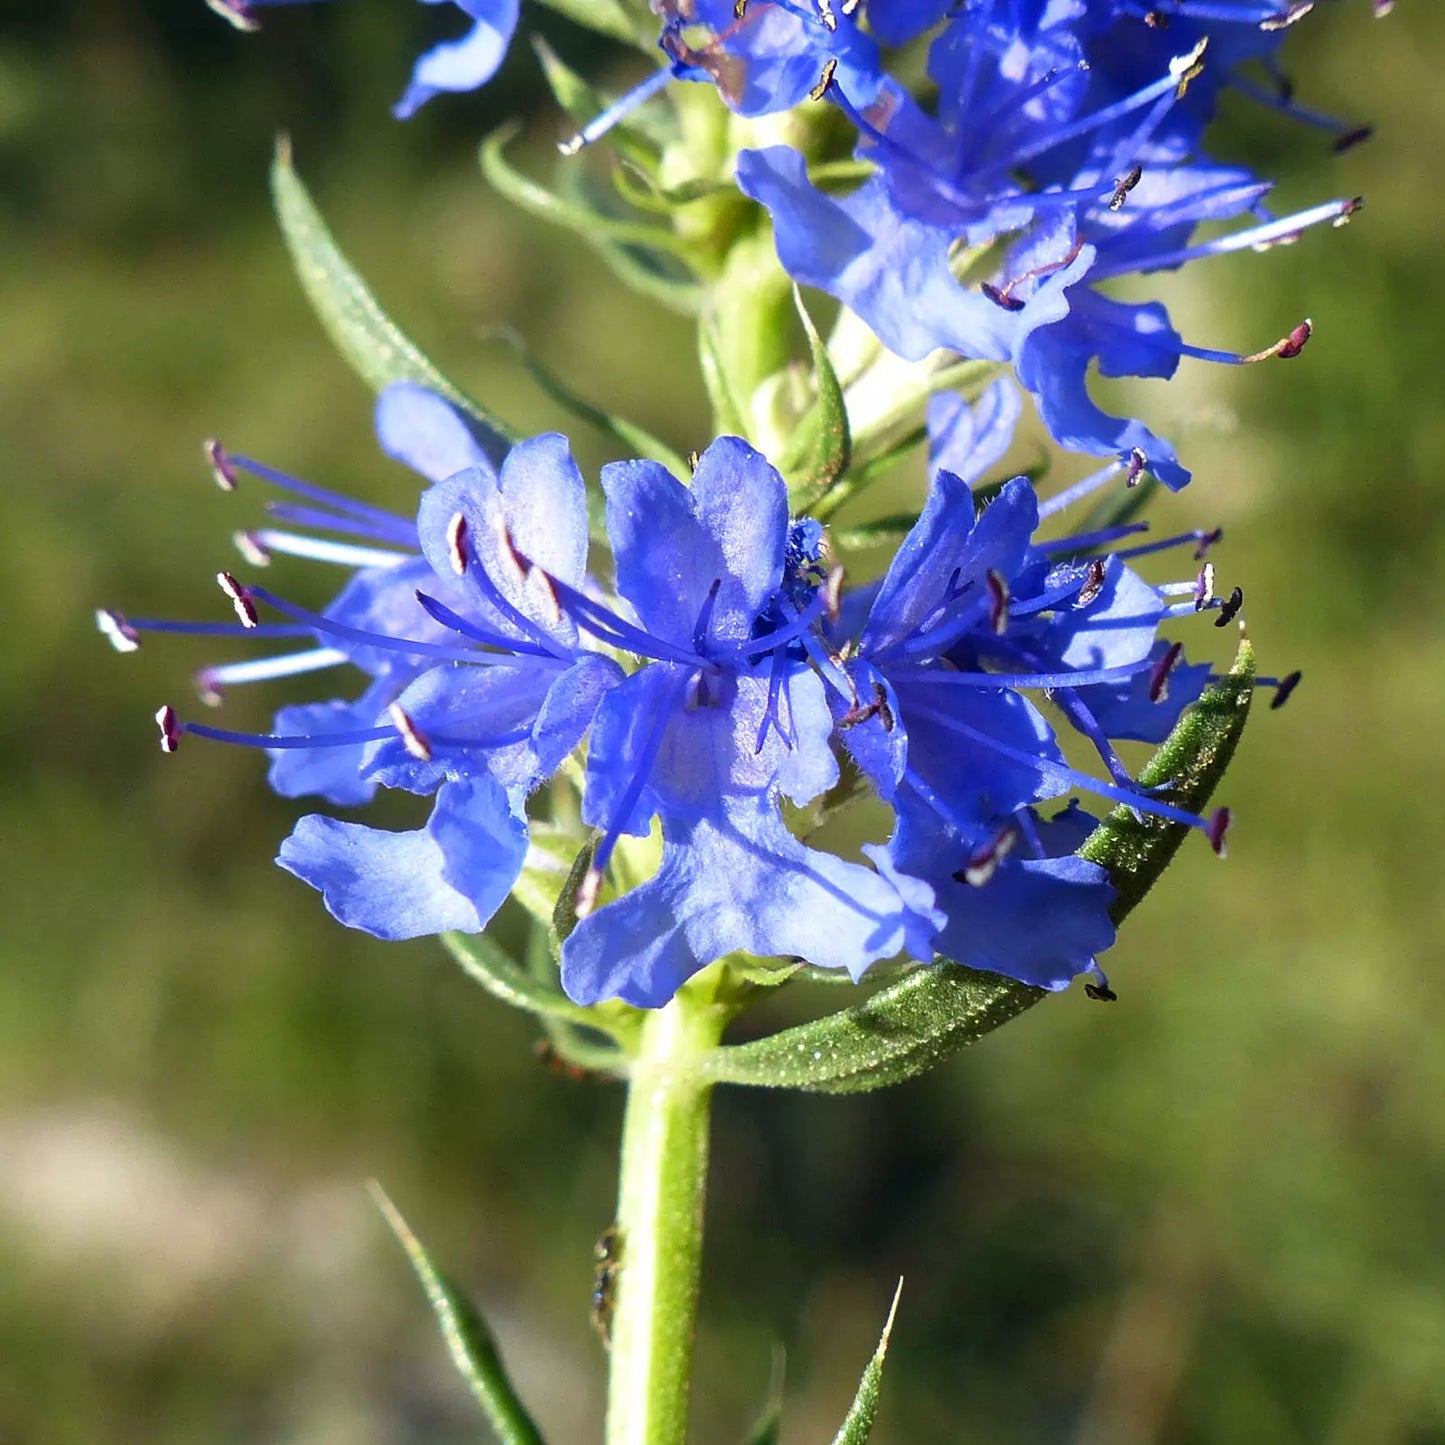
pixel 723 671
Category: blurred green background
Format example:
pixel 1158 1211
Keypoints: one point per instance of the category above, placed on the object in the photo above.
pixel 1212 1212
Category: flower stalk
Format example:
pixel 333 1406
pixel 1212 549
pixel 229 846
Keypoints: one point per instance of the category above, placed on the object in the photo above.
pixel 661 1190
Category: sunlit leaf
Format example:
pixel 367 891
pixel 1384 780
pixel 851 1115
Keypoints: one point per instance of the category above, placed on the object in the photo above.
pixel 468 1340
pixel 824 446
pixel 913 1024
pixel 858 1426
pixel 366 336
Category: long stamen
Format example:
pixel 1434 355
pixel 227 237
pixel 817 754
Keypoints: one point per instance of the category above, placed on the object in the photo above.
pixel 619 110
pixel 316 549
pixel 225 465
pixel 1255 238
pixel 1081 677
pixel 315 622
pixel 1071 777
pixel 123 632
pixel 440 612
pixel 1081 489
pixel 211 680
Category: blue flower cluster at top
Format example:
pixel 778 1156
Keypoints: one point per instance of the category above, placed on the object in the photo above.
pixel 724 670
pixel 1062 153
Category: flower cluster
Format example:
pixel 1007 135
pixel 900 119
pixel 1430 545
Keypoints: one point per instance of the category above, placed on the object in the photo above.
pixel 722 669
pixel 1063 153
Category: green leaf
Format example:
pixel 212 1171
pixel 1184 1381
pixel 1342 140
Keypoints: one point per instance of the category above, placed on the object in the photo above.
pixel 823 445
pixel 909 1026
pixel 1137 849
pixel 858 1426
pixel 579 99
pixel 378 350
pixel 468 1340
pixel 486 962
pixel 637 441
pixel 729 418
pixel 607 17
pixel 635 271
pixel 769 1427
pixel 592 225
pixel 898 1032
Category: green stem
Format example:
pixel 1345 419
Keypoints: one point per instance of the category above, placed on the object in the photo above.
pixel 663 1180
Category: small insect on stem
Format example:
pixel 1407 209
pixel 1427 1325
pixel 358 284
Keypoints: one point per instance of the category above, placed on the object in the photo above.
pixel 608 1254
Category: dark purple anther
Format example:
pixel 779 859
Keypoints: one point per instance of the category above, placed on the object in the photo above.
pixel 880 701
pixel 117 631
pixel 412 737
pixel 984 863
pixel 170 727
pixel 1219 821
pixel 457 544
pixel 1000 297
pixel 237 12
pixel 1102 992
pixel 1093 582
pixel 1159 678
pixel 1137 462
pixel 221 468
pixel 240 598
pixel 252 548
pixel 1124 186
pixel 1230 608
pixel 1351 138
pixel 1296 341
pixel 1204 587
pixel 997 602
pixel 1284 688
pixel 1206 541
pixel 1295 12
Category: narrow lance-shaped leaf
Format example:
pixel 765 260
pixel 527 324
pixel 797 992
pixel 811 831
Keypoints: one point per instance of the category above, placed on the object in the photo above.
pixel 858 1426
pixel 901 1031
pixel 909 1026
pixel 592 225
pixel 378 350
pixel 487 963
pixel 729 417
pixel 824 445
pixel 638 441
pixel 468 1340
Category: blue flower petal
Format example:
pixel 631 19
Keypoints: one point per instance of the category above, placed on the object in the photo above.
pixel 330 773
pixel 426 432
pixel 735 882
pixel 466 63
pixel 673 543
pixel 452 874
pixel 967 439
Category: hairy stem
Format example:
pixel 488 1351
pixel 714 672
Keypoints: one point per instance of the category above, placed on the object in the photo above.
pixel 663 1180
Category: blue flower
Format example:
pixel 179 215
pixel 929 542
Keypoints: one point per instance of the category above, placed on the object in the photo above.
pixel 1054 177
pixel 972 615
pixel 710 738
pixel 491 654
pixel 453 65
